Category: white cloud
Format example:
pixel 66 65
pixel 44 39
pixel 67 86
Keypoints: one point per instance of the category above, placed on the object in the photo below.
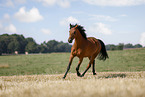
pixel 61 3
pixel 69 20
pixel 47 2
pixel 20 1
pixel 6 16
pixel 123 15
pixel 8 3
pixel 5 19
pixel 46 31
pixel 100 28
pixel 142 39
pixel 32 15
pixel 11 3
pixel 10 28
pixel 64 3
pixel 115 2
pixel 102 18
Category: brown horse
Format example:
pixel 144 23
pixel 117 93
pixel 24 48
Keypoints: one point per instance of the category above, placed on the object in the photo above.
pixel 85 47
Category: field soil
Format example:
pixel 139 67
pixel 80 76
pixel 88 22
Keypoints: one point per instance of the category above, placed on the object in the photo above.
pixel 104 84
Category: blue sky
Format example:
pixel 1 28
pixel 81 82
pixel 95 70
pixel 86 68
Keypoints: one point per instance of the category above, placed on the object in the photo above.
pixel 113 21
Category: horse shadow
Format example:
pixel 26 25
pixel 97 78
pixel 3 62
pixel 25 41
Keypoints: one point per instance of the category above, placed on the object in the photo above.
pixel 122 75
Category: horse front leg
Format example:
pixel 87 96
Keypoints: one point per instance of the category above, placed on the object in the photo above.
pixel 77 68
pixel 68 67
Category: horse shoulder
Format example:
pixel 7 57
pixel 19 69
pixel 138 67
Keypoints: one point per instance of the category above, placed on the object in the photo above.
pixel 76 51
pixel 73 51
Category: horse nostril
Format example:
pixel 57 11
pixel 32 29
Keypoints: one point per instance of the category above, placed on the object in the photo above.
pixel 70 40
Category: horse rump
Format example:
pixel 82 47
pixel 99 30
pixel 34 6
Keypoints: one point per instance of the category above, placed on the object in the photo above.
pixel 103 53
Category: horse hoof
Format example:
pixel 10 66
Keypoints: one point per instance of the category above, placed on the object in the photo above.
pixel 63 78
pixel 94 73
pixel 78 74
pixel 81 75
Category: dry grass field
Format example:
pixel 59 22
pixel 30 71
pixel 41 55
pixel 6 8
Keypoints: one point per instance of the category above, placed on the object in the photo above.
pixel 105 84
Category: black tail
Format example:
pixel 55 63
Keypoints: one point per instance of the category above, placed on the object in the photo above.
pixel 103 53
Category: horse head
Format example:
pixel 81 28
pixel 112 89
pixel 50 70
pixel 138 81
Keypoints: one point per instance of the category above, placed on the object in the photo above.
pixel 72 33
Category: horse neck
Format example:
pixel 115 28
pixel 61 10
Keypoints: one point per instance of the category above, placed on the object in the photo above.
pixel 79 40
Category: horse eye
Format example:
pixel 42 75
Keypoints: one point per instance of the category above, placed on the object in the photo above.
pixel 74 32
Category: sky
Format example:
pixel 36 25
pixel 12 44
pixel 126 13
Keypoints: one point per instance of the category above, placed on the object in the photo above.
pixel 113 21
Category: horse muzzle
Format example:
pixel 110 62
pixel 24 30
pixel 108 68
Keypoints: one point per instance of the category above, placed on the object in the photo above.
pixel 70 40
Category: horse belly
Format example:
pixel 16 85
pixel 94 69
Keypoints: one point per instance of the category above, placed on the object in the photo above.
pixel 89 52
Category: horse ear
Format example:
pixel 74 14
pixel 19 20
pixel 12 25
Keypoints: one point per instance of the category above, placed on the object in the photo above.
pixel 76 26
pixel 70 25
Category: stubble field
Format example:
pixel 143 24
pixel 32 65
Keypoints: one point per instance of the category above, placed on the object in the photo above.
pixel 106 84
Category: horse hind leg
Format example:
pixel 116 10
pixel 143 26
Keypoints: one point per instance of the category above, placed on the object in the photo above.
pixel 93 68
pixel 89 65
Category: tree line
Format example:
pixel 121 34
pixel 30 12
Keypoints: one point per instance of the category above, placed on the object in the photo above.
pixel 122 46
pixel 11 43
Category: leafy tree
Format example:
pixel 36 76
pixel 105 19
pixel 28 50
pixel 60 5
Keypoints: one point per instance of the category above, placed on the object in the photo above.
pixel 31 47
pixel 138 46
pixel 112 47
pixel 29 39
pixel 4 41
pixel 3 46
pixel 21 44
pixel 52 45
pixel 129 45
pixel 0 52
pixel 11 43
pixel 120 46
pixel 55 46
pixel 43 49
pixel 0 49
pixel 11 47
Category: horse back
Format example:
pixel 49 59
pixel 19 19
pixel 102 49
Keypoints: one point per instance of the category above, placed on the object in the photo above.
pixel 95 42
pixel 93 46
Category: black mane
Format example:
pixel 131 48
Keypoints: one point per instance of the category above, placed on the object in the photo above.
pixel 81 29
